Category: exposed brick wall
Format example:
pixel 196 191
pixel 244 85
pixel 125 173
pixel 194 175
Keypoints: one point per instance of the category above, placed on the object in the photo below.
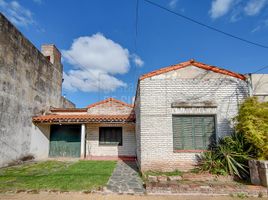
pixel 190 84
pixel 110 108
pixel 94 149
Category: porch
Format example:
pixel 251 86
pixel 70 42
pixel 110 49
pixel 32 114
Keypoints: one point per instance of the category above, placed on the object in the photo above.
pixel 71 133
pixel 93 141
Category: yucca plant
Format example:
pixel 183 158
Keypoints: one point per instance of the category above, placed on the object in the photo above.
pixel 229 156
pixel 210 162
pixel 234 162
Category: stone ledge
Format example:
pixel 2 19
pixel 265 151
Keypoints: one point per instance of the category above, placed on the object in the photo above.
pixel 203 104
pixel 175 188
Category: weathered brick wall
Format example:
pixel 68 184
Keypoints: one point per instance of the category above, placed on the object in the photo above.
pixel 94 149
pixel 190 84
pixel 29 85
pixel 110 108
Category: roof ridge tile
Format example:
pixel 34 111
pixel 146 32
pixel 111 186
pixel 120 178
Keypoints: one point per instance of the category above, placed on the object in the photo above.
pixel 194 63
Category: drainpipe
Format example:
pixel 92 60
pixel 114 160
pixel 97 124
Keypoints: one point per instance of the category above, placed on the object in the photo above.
pixel 83 140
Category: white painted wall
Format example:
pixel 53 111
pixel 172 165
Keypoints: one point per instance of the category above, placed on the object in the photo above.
pixel 40 141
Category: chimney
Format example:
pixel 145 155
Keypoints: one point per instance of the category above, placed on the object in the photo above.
pixel 51 52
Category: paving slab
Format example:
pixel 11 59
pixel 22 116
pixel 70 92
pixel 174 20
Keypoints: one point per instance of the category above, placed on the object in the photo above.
pixel 125 179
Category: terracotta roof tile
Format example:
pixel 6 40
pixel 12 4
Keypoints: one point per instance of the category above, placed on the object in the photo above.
pixel 68 109
pixel 84 118
pixel 110 100
pixel 194 63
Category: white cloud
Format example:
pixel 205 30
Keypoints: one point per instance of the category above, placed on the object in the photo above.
pixel 172 4
pixel 237 8
pixel 254 7
pixel 137 60
pixel 220 8
pixel 90 80
pixel 98 52
pixel 96 59
pixel 16 13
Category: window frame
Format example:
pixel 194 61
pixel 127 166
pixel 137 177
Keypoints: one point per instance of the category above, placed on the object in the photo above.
pixel 194 115
pixel 102 143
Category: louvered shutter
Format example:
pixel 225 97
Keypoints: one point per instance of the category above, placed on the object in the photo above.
pixel 193 132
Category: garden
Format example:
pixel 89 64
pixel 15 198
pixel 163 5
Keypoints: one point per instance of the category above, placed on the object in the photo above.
pixel 225 166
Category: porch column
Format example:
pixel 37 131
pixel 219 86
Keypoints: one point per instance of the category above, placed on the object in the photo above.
pixel 83 140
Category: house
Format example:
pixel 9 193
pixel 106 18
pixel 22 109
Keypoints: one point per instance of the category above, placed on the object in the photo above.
pixel 104 130
pixel 178 112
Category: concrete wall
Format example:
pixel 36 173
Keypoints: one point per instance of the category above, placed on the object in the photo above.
pixel 260 86
pixel 66 103
pixel 94 149
pixel 138 125
pixel 29 85
pixel 194 86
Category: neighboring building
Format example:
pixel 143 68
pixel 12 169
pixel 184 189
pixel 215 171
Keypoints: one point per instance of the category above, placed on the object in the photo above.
pixel 102 130
pixel 30 83
pixel 259 86
pixel 179 111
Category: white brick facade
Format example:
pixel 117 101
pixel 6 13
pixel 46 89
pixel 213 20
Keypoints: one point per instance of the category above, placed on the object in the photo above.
pixel 154 112
pixel 93 148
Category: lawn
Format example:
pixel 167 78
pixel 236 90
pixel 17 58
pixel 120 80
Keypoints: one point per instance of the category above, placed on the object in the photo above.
pixel 56 175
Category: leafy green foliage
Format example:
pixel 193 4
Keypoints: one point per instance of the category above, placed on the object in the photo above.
pixel 210 162
pixel 252 122
pixel 250 140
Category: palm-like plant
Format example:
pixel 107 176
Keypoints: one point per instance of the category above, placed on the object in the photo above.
pixel 230 155
pixel 234 162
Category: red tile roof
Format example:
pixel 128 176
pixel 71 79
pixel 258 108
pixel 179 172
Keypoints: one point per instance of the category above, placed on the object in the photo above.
pixel 194 63
pixel 84 118
pixel 68 109
pixel 110 100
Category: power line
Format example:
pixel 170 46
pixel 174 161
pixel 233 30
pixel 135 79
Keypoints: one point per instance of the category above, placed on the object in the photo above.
pixel 206 26
pixel 259 70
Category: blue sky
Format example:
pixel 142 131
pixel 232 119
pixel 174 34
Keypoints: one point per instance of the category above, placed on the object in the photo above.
pixel 97 39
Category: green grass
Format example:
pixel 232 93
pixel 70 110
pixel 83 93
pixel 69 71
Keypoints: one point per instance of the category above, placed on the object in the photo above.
pixel 56 175
pixel 158 173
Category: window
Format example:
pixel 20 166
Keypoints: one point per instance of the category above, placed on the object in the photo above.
pixel 193 132
pixel 110 136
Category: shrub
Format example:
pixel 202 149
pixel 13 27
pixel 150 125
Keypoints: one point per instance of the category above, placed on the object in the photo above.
pixel 210 162
pixel 230 156
pixel 250 140
pixel 252 122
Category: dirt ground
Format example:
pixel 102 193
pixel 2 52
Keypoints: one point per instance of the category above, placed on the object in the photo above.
pixel 78 196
